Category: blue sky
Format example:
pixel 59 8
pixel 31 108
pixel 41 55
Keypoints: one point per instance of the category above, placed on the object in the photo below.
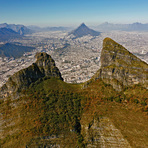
pixel 72 12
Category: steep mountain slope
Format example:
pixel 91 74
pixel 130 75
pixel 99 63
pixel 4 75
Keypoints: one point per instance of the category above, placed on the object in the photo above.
pixel 12 50
pixel 43 67
pixel 21 29
pixel 7 34
pixel 40 110
pixel 47 111
pixel 47 115
pixel 83 30
pixel 120 68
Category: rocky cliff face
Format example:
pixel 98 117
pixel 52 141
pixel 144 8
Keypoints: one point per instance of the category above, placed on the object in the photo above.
pixel 101 132
pixel 120 68
pixel 43 67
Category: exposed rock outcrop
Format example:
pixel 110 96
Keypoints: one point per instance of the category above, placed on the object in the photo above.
pixel 120 68
pixel 43 67
pixel 101 132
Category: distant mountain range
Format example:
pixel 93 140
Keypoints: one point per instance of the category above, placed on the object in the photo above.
pixel 21 29
pixel 12 50
pixel 83 30
pixel 6 34
pixel 102 27
pixel 40 29
pixel 123 27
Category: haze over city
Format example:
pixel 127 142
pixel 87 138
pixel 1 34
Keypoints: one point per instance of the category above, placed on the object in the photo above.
pixel 72 12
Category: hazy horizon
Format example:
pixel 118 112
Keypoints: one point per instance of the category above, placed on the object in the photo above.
pixel 72 13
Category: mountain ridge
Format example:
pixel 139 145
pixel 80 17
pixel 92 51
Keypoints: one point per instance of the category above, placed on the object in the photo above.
pixel 122 27
pixel 44 29
pixel 20 29
pixel 47 112
pixel 7 34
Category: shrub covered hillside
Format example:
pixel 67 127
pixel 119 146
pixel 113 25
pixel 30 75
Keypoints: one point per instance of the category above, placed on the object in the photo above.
pixel 39 110
pixel 49 109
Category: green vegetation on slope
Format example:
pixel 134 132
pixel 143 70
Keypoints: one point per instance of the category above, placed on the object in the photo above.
pixel 51 112
pixel 128 110
pixel 50 108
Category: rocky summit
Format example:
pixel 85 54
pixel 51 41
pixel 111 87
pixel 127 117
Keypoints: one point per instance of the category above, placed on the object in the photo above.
pixel 43 67
pixel 120 68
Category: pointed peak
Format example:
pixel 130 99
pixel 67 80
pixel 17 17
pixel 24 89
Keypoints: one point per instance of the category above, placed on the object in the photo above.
pixel 106 40
pixel 111 44
pixel 44 67
pixel 42 55
pixel 83 24
pixel 83 30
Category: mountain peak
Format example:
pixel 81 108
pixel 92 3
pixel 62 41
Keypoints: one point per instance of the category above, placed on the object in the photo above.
pixel 109 44
pixel 83 25
pixel 83 30
pixel 42 56
pixel 43 67
pixel 120 68
pixel 108 40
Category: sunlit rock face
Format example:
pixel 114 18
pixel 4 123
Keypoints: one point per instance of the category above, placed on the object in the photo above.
pixel 120 68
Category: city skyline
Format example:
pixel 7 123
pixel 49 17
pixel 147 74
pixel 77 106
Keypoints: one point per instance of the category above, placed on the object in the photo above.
pixel 72 13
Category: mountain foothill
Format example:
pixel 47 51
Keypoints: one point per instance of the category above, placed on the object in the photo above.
pixel 11 50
